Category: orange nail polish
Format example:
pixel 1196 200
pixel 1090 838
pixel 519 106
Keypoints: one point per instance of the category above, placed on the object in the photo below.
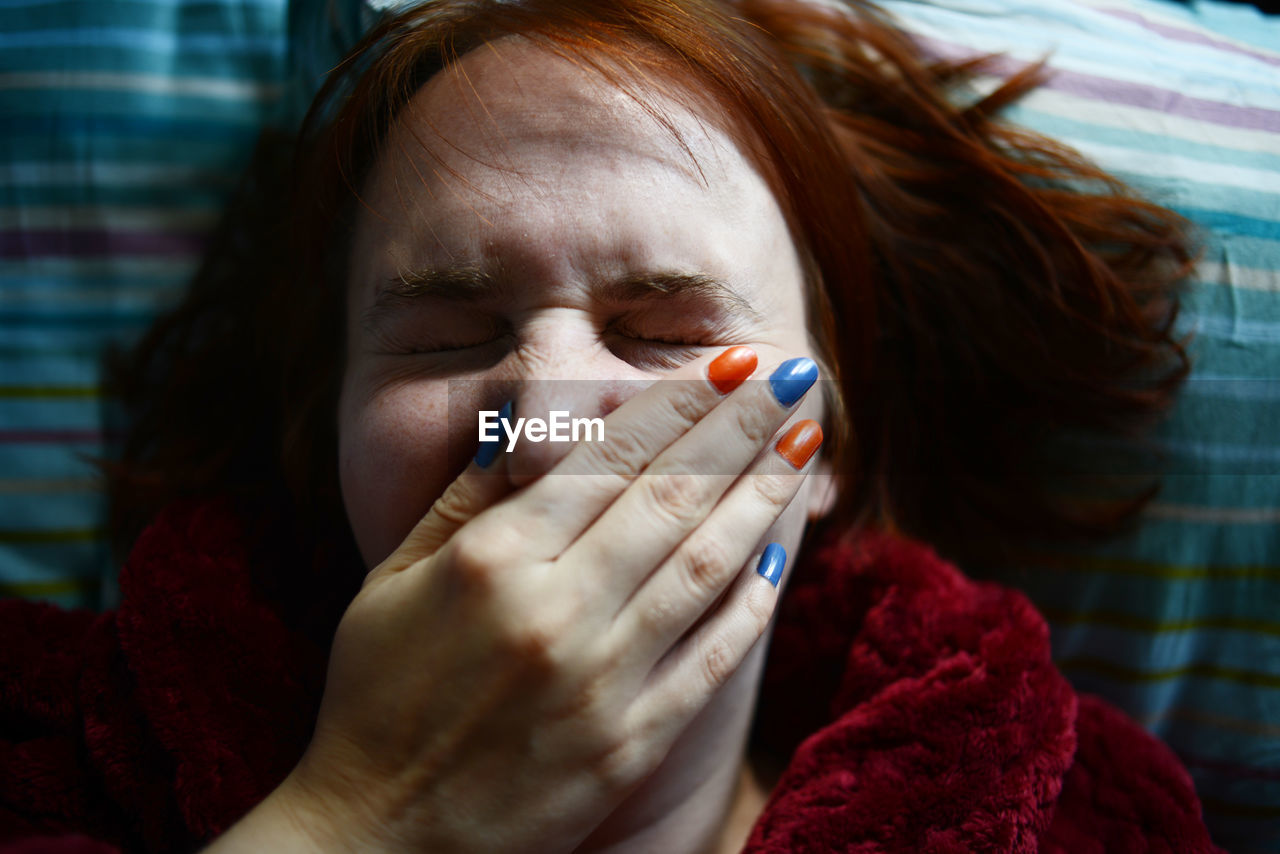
pixel 800 443
pixel 728 370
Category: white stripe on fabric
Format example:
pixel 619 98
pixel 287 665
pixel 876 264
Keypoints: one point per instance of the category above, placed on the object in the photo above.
pixel 1213 515
pixel 1227 274
pixel 153 84
pixel 1180 168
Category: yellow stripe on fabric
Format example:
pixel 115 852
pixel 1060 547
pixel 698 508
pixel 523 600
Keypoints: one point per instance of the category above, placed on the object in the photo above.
pixel 1194 716
pixel 55 536
pixel 66 391
pixel 1132 622
pixel 45 486
pixel 1118 672
pixel 61 587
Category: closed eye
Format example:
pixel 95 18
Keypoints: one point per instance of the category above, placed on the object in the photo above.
pixel 657 351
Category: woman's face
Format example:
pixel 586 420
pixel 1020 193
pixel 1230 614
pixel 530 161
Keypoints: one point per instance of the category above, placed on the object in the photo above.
pixel 532 233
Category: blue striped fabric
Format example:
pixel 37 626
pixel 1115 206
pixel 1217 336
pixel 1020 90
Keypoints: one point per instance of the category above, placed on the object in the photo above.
pixel 1178 623
pixel 123 126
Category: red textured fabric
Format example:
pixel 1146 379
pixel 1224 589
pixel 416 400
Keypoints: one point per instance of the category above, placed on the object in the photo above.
pixel 920 709
pixel 929 718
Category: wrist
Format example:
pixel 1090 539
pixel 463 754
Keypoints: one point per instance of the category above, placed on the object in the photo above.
pixel 295 819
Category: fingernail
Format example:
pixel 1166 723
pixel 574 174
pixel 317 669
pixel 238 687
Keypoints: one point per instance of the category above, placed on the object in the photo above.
pixel 800 443
pixel 772 563
pixel 728 370
pixel 792 379
pixel 490 447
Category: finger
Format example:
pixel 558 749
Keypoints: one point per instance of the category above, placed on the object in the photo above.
pixel 481 485
pixel 684 681
pixel 697 573
pixel 679 490
pixel 593 474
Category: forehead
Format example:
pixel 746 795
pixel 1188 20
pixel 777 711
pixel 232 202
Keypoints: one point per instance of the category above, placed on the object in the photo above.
pixel 513 97
pixel 518 153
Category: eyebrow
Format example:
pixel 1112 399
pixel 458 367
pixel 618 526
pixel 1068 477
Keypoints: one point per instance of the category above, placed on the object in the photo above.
pixel 456 284
pixel 655 286
pixel 474 285
pixel 459 284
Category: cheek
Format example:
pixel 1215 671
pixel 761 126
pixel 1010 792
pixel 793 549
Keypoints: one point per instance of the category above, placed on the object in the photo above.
pixel 395 460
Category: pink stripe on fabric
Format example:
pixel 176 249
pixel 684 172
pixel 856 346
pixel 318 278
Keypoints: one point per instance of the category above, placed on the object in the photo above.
pixel 38 244
pixel 1112 91
pixel 1189 36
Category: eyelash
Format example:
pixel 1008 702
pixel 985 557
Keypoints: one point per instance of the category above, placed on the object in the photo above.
pixel 663 355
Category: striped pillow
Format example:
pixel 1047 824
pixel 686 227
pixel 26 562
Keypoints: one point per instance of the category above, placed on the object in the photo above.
pixel 1179 624
pixel 123 128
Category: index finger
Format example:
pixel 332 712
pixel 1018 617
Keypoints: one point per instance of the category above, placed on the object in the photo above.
pixel 635 434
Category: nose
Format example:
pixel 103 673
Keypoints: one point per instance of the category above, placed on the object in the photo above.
pixel 563 392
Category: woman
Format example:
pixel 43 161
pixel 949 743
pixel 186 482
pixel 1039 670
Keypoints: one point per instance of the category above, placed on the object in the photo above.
pixel 542 208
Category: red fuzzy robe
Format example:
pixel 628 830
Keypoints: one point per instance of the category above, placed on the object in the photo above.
pixel 927 713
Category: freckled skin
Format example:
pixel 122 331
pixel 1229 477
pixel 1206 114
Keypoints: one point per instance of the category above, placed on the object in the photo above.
pixel 557 183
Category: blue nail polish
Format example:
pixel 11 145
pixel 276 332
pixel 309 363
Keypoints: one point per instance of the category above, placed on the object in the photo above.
pixel 490 448
pixel 772 562
pixel 792 379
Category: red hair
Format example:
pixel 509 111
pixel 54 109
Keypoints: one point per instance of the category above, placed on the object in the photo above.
pixel 975 289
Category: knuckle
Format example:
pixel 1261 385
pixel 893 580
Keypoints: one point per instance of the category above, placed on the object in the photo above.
pixel 719 660
pixel 541 631
pixel 755 425
pixel 623 454
pixel 774 490
pixel 657 616
pixel 532 645
pixel 759 611
pixel 475 561
pixel 584 702
pixel 677 496
pixel 706 565
pixel 455 506
pixel 624 763
pixel 688 405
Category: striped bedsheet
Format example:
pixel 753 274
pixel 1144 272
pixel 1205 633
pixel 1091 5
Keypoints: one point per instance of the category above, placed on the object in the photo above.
pixel 123 127
pixel 1179 623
